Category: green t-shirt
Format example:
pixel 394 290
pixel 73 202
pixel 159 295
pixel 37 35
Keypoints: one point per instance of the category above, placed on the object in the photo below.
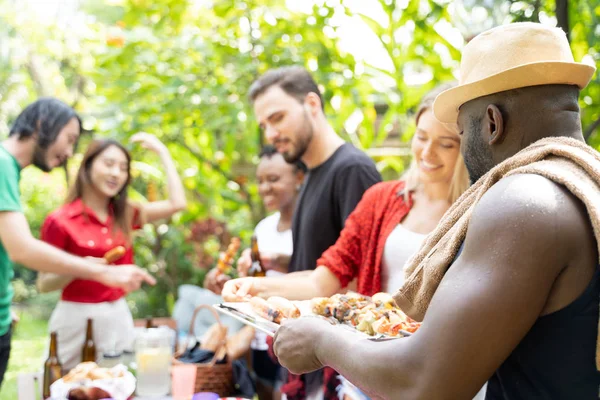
pixel 10 174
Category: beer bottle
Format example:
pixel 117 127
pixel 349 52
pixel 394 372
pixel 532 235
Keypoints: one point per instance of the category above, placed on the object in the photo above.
pixel 52 367
pixel 88 352
pixel 149 322
pixel 256 269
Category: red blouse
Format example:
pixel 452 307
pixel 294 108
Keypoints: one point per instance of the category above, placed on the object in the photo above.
pixel 75 229
pixel 359 250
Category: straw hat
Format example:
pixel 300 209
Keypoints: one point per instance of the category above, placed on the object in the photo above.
pixel 510 57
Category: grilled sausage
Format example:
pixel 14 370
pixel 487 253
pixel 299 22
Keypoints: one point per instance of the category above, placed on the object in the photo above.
pixel 113 255
pixel 288 309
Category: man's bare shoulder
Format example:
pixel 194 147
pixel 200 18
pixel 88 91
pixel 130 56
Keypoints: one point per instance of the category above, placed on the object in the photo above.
pixel 529 206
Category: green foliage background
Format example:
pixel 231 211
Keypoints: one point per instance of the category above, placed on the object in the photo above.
pixel 180 69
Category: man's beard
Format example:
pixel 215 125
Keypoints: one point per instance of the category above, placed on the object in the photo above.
pixel 303 138
pixel 40 158
pixel 477 155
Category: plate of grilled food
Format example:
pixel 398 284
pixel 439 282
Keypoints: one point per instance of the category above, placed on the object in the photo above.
pixel 376 317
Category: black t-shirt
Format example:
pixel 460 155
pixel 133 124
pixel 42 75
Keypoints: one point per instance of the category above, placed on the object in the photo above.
pixel 329 194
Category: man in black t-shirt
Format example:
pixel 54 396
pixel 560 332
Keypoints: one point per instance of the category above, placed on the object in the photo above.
pixel 330 193
pixel 289 108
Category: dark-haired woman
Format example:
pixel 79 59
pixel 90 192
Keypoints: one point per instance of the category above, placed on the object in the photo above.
pixel 97 218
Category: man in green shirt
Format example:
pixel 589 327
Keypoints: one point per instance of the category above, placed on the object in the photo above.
pixel 43 135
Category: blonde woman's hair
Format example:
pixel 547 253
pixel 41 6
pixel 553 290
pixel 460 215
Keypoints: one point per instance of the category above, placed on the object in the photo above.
pixel 460 179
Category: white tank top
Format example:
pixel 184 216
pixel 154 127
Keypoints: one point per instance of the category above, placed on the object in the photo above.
pixel 399 247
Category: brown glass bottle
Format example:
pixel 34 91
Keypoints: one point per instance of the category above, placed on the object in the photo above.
pixel 149 322
pixel 88 352
pixel 52 367
pixel 256 269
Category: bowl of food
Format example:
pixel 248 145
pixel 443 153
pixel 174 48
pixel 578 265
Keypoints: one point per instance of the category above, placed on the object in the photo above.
pixel 88 381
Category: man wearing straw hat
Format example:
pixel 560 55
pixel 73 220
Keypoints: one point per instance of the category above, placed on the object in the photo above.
pixel 508 285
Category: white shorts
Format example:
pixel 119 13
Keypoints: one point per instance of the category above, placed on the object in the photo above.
pixel 113 328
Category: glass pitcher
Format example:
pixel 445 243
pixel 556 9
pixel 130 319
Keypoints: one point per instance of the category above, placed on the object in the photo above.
pixel 153 354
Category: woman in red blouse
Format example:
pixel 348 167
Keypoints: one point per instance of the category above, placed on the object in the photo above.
pixel 386 227
pixel 96 218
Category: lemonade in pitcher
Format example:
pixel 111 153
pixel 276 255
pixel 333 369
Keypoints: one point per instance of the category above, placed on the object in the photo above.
pixel 153 356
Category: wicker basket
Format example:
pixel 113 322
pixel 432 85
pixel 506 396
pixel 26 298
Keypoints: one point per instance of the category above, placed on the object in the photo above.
pixel 212 377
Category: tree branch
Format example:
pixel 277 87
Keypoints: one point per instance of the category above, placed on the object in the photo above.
pixel 225 174
pixel 35 72
pixel 536 11
pixel 562 16
pixel 590 129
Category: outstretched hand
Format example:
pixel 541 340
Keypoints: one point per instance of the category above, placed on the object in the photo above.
pixel 148 141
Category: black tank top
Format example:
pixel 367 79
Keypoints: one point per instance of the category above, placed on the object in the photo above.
pixel 557 357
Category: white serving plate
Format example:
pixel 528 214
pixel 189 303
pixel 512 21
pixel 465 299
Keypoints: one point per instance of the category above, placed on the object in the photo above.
pixel 244 313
